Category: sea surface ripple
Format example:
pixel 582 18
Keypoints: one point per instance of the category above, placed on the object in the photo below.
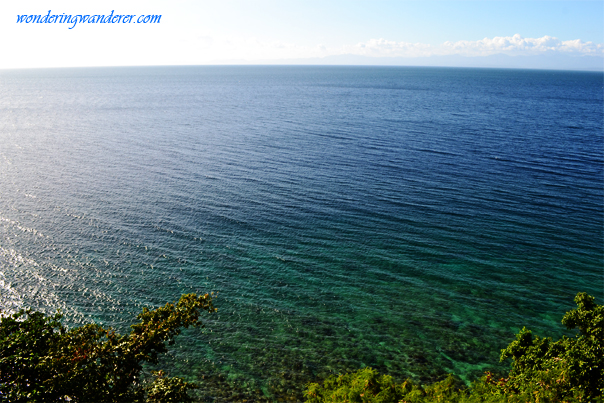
pixel 407 219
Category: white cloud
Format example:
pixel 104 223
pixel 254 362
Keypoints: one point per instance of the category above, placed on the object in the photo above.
pixel 511 45
pixel 517 45
pixel 256 49
pixel 57 46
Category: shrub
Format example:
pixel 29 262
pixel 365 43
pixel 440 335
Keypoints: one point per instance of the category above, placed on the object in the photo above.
pixel 562 369
pixel 42 361
pixel 365 385
pixel 570 369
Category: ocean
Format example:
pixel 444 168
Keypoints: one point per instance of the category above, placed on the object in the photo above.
pixel 403 218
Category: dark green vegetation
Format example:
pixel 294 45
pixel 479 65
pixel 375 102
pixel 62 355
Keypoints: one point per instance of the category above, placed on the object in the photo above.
pixel 42 361
pixel 569 369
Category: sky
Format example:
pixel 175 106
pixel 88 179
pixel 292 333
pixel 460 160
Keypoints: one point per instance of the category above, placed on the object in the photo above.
pixel 192 32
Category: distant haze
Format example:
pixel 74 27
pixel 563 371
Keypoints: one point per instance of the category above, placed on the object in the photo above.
pixel 545 62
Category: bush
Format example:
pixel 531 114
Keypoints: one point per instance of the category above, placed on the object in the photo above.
pixel 42 361
pixel 564 369
pixel 365 385
pixel 570 369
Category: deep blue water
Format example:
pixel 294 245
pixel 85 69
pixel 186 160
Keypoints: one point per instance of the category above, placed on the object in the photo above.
pixel 408 219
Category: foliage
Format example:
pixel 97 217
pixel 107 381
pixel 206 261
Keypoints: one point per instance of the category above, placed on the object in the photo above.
pixel 42 361
pixel 567 370
pixel 164 389
pixel 367 386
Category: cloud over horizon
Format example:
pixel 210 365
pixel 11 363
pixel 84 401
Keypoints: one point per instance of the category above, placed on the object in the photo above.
pixel 253 49
pixel 511 45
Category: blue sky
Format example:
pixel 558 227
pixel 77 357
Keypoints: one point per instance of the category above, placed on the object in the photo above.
pixel 410 21
pixel 206 32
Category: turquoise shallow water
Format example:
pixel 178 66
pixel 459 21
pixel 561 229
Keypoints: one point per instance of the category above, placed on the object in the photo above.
pixel 408 219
